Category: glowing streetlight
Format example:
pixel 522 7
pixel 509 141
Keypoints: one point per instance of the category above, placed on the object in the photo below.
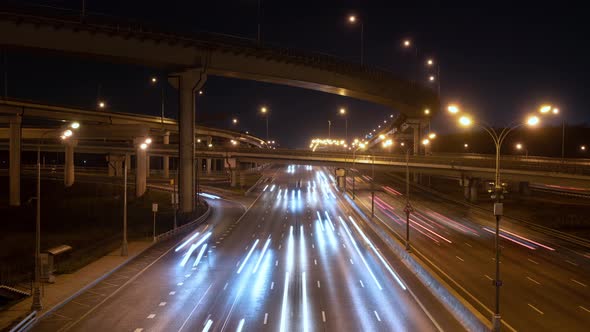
pixel 427 111
pixel 143 146
pixel 234 120
pixel 432 136
pixel 353 19
pixel 148 141
pixel 453 109
pixel 343 112
pixel 555 111
pixel 431 78
pixel 154 80
pixel 102 104
pixel 465 121
pixel 67 133
pixel 519 146
pixel 429 62
pixel 545 108
pixel 407 43
pixel 466 145
pixel 582 148
pixel 425 141
pixel 533 120
pixel 266 114
pixel 200 92
pixel 75 125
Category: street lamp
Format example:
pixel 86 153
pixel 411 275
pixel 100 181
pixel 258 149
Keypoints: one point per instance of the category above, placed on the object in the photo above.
pixel 498 139
pixel 353 19
pixel 583 148
pixel 521 147
pixel 234 121
pixel 154 81
pixel 66 134
pixel 143 145
pixel 266 114
pixel 102 104
pixel 344 113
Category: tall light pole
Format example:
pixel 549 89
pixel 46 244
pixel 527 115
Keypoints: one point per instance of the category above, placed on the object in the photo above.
pixel 344 113
pixel 329 129
pixel 266 114
pixel 66 134
pixel 498 138
pixel 353 19
pixel 409 45
pixel 431 63
pixel 154 81
pixel 362 146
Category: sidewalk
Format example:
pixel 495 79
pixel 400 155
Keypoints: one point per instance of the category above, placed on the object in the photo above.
pixel 67 285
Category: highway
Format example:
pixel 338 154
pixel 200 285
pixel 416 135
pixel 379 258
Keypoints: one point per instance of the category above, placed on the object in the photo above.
pixel 545 279
pixel 298 260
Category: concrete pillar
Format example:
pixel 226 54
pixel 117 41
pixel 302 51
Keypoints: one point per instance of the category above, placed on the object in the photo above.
pixel 466 182
pixel 234 178
pixel 140 168
pixel 147 165
pixel 187 83
pixel 115 164
pixel 417 141
pixel 473 190
pixel 14 165
pixel 166 159
pixel 69 172
pixel 208 169
pixel 524 189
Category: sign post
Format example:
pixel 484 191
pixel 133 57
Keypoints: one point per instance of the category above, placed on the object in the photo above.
pixel 154 210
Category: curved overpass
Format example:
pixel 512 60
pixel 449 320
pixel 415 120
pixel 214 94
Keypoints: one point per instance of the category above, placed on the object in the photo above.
pixel 216 55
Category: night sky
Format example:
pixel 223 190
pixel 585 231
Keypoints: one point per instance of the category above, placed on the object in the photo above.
pixel 500 62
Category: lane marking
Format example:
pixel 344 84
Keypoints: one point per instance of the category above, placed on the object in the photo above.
pixel 315 262
pixel 224 287
pixel 172 293
pixel 584 309
pixel 272 285
pixel 138 330
pixel 377 315
pixel 536 309
pixel 265 317
pixel 579 283
pixel 351 262
pixel 280 245
pixel 487 276
pixel 323 316
pixel 362 285
pixel 533 280
pixel 151 316
pixel 572 263
pixel 180 284
pixel 195 308
pixel 532 261
pixel 162 304
pixel 468 245
pixel 277 262
pixel 319 284
pixel 459 258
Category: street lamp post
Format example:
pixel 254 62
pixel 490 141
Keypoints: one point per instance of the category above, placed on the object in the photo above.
pixel 264 111
pixel 519 147
pixel 498 139
pixel 354 19
pixel 154 81
pixel 37 305
pixel 344 113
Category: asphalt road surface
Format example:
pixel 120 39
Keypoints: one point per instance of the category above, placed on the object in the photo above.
pixel 298 260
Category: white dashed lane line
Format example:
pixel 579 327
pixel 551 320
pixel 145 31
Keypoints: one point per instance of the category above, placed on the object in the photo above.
pixel 151 316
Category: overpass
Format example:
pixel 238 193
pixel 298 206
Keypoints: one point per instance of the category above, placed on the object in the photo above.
pixel 191 59
pixel 472 169
pixel 98 126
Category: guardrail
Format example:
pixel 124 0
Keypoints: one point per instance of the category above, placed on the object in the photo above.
pixel 184 227
pixel 26 323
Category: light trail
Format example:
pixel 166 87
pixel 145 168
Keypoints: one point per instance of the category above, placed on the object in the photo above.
pixel 305 312
pixel 320 220
pixel 241 325
pixel 395 276
pixel 272 188
pixel 284 304
pixel 200 255
pixel 207 325
pixel 261 255
pixel 265 188
pixel 248 256
pixel 290 254
pixel 188 254
pixel 186 242
pixel 209 196
pixel 359 252
pixel 330 221
pixel 529 240
pixel 510 239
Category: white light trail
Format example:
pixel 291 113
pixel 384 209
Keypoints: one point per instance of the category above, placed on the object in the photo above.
pixel 320 220
pixel 284 305
pixel 188 254
pixel 209 196
pixel 265 188
pixel 330 221
pixel 261 255
pixel 186 242
pixel 240 325
pixel 359 252
pixel 248 256
pixel 272 188
pixel 395 276
pixel 200 255
pixel 305 313
pixel 207 325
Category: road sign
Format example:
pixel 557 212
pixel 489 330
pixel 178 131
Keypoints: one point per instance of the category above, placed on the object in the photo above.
pixel 154 207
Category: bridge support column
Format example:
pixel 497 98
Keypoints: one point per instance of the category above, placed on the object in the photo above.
pixel 524 189
pixel 471 189
pixel 69 172
pixel 208 169
pixel 147 165
pixel 417 141
pixel 15 134
pixel 140 169
pixel 187 83
pixel 115 164
pixel 166 159
pixel 234 177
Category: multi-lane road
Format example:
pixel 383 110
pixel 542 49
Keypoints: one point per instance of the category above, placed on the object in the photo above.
pixel 545 280
pixel 299 259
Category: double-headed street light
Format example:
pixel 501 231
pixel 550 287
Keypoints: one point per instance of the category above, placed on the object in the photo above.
pixel 65 135
pixel 498 138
